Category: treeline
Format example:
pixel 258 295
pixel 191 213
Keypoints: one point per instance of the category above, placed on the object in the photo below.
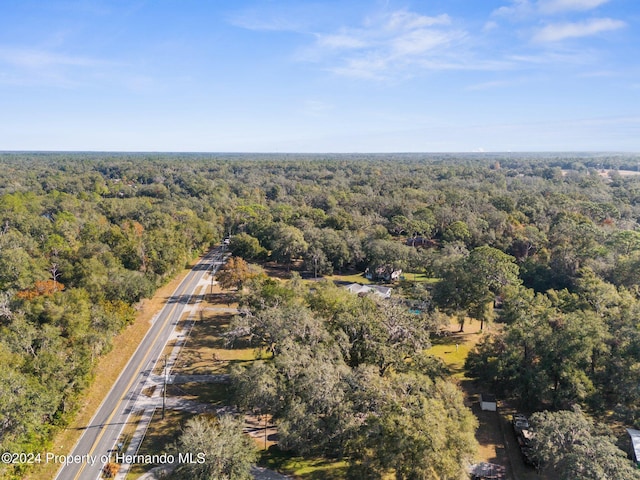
pixel 83 237
pixel 78 251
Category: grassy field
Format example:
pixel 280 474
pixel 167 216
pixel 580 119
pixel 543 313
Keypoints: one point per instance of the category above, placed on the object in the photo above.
pixel 303 468
pixel 454 346
pixel 215 394
pixel 453 349
pixel 419 278
pixel 205 351
pixel 351 278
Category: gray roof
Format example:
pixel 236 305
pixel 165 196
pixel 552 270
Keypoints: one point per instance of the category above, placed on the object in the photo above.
pixel 357 288
pixel 635 441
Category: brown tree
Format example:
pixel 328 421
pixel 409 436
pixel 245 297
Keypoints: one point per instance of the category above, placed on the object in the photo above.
pixel 235 273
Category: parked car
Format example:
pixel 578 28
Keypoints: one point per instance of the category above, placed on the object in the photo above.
pixel 524 435
pixel 520 422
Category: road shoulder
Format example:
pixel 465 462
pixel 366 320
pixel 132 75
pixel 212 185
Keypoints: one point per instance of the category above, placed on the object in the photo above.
pixel 107 371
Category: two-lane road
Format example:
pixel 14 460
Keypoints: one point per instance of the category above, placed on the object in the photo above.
pixel 102 433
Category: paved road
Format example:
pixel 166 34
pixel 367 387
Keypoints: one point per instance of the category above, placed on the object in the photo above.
pixel 100 436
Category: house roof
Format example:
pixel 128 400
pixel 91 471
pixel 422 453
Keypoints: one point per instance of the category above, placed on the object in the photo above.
pixel 358 288
pixel 487 397
pixel 635 442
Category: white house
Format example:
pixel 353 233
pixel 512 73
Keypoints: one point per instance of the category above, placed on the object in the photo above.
pixel 359 289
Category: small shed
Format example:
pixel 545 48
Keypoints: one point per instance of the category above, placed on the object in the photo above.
pixel 488 402
pixel 634 435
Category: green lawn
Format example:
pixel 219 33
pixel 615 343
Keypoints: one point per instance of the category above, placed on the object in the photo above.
pixel 454 357
pixel 454 348
pixel 352 278
pixel 409 277
pixel 303 468
pixel 419 278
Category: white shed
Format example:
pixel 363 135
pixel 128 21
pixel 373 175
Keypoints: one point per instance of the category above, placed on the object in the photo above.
pixel 488 402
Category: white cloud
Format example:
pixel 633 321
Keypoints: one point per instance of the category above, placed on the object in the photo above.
pixel 488 85
pixel 370 67
pixel 556 6
pixel 388 45
pixel 35 59
pixel 418 42
pixel 341 41
pixel 518 10
pixel 490 25
pixel 560 31
pixel 404 20
pixel 565 57
pixel 527 9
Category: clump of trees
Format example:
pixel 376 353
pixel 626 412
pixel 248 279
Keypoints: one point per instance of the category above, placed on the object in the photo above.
pixel 561 348
pixel 569 445
pixel 78 250
pixel 218 447
pixel 351 377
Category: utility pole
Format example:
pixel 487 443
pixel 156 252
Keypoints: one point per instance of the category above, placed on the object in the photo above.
pixel 265 431
pixel 212 273
pixel 164 390
pixel 315 266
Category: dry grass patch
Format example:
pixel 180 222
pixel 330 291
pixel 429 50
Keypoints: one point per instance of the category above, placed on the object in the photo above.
pixel 182 329
pixel 205 351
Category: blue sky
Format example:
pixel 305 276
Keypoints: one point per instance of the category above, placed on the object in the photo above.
pixel 320 76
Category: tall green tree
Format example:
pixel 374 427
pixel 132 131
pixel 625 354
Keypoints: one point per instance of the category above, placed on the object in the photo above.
pixel 228 453
pixel 288 243
pixel 471 284
pixel 569 446
pixel 420 430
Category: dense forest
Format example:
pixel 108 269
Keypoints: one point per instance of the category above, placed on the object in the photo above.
pixel 548 246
